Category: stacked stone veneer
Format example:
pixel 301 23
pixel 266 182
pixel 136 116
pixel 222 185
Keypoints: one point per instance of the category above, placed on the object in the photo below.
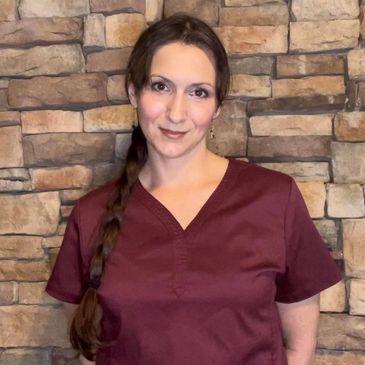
pixel 295 105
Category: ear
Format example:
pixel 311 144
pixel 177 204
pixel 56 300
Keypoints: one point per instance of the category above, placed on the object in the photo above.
pixel 132 95
pixel 217 112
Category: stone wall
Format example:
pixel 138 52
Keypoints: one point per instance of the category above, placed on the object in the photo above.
pixel 297 104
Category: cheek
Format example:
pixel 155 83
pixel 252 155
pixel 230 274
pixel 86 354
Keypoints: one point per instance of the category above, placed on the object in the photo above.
pixel 151 106
pixel 202 114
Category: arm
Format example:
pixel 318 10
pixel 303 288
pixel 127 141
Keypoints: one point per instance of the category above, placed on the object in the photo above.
pixel 299 323
pixel 69 311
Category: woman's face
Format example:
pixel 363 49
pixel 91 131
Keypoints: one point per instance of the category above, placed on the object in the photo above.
pixel 176 107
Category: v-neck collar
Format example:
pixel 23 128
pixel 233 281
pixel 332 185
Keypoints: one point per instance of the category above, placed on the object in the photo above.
pixel 169 220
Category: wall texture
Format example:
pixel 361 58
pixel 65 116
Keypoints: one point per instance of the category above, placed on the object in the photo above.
pixel 294 106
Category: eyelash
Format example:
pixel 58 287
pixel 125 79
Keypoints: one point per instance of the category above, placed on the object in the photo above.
pixel 154 85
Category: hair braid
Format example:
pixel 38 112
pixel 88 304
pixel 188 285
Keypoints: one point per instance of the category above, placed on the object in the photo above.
pixel 85 333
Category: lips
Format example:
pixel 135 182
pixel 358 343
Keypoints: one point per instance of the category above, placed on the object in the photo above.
pixel 172 134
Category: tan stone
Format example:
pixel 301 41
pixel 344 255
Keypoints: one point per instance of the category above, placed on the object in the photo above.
pixel 51 242
pixel 117 5
pixel 301 171
pixel 20 356
pixel 291 125
pixel 314 194
pixel 346 168
pixel 362 18
pixel 14 174
pixel 254 65
pixel 206 10
pixel 324 9
pixel 329 232
pixel 109 118
pixel 68 148
pixel 122 30
pixel 34 326
pixel 271 14
pixel 8 293
pixel 66 211
pixel 94 31
pixel 11 152
pixel 105 172
pixel 341 331
pixel 254 39
pixel 71 91
pixel 331 357
pixel 354 247
pixel 307 65
pixel 323 35
pixel 110 60
pixel 29 213
pixel 23 270
pixel 251 2
pixel 8 10
pixel 345 201
pixel 76 176
pixel 70 196
pixel 34 293
pixel 356 64
pixel 361 95
pixel 48 121
pixel 40 30
pixel 52 8
pixel 333 299
pixel 154 10
pixel 289 146
pixel 9 118
pixel 250 86
pixel 350 126
pixel 21 247
pixel 61 229
pixel 65 356
pixel 357 297
pixel 10 185
pixel 122 143
pixel 115 88
pixel 4 105
pixel 308 86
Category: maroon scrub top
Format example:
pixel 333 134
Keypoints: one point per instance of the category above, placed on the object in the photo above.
pixel 204 295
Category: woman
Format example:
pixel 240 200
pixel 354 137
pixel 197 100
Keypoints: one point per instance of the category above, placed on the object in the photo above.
pixel 190 258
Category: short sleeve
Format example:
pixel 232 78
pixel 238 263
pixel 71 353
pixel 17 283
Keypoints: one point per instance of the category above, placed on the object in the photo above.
pixel 68 281
pixel 309 265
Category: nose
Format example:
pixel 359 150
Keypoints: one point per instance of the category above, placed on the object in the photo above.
pixel 176 108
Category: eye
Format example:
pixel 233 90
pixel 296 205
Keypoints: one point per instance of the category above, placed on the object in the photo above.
pixel 158 86
pixel 201 93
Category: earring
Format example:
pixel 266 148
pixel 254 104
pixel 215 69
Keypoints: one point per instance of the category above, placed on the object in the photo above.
pixel 134 125
pixel 211 132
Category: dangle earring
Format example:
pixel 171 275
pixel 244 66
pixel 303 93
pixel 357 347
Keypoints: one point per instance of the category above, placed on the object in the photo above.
pixel 134 124
pixel 211 132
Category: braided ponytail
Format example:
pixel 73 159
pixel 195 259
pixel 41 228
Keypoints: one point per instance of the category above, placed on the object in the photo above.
pixel 85 333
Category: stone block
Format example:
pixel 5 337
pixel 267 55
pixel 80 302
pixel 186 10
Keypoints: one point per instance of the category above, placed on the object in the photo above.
pixel 15 186
pixel 254 65
pixel 346 168
pixel 68 148
pixel 291 125
pixel 52 242
pixel 8 10
pixel 109 6
pixel 345 201
pixel 77 90
pixel 314 194
pixel 110 60
pixel 19 356
pixel 9 119
pixel 52 8
pixel 21 247
pixel 123 30
pixel 65 211
pixel 8 293
pixel 332 357
pixel 313 36
pixel 70 196
pixel 206 10
pixel 94 31
pixel 40 31
pixel 51 121
pixel 14 174
pixel 354 247
pixel 301 171
pixel 329 232
pixel 35 214
pixel 308 65
pixel 251 2
pixel 308 86
pixel 250 86
pixel 11 140
pixel 64 357
pixel 34 293
pixel 361 95
pixel 324 10
pixel 4 105
pixel 341 331
pixel 271 14
pixel 333 299
pixel 36 326
pixel 103 173
pixel 317 103
pixel 289 147
pixel 23 270
pixel 357 297
pixel 53 178
pixel 109 118
pixel 115 88
pixel 362 19
pixel 154 10
pixel 350 126
pixel 122 143
pixel 254 39
pixel 230 130
pixel 356 64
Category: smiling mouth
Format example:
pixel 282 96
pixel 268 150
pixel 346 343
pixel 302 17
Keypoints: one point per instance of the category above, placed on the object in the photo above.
pixel 172 132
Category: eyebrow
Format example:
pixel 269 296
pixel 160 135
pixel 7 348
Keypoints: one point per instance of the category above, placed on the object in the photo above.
pixel 193 84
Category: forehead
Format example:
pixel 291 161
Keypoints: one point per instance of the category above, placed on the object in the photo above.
pixel 179 61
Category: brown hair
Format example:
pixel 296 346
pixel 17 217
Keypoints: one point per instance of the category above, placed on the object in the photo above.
pixel 85 333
